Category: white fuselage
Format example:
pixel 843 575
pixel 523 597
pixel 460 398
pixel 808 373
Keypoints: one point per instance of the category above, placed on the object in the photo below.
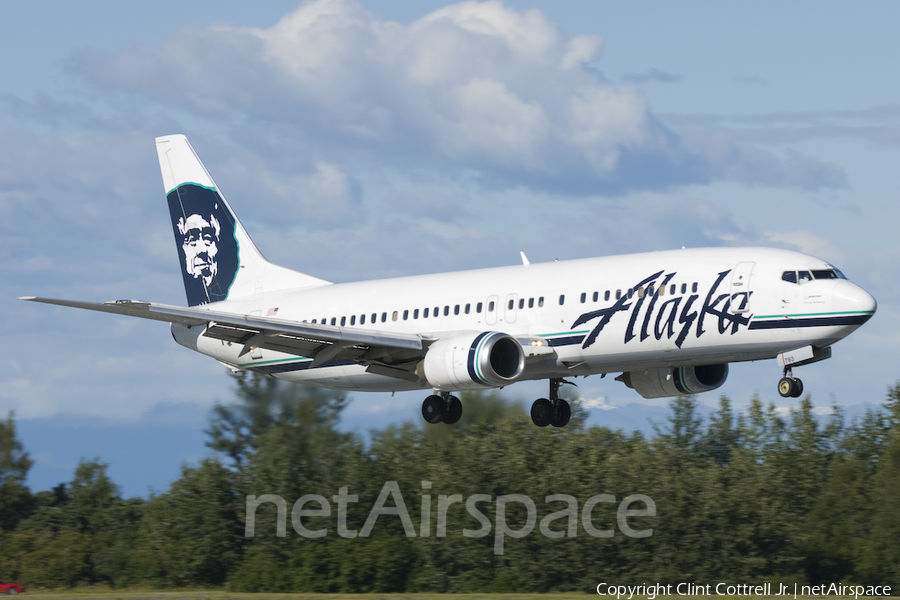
pixel 600 315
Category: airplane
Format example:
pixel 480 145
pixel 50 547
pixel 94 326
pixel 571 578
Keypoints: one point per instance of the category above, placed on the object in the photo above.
pixel 669 322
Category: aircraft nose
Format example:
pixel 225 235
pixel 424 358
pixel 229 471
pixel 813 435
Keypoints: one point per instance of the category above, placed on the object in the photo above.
pixel 850 298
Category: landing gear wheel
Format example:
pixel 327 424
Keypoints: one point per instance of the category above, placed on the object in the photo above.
pixel 798 388
pixel 561 414
pixel 786 387
pixel 542 412
pixel 434 408
pixel 454 411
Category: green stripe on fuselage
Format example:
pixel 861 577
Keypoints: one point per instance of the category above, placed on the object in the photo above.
pixel 825 314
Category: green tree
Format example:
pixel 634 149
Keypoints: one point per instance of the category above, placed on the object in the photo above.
pixel 264 403
pixel 192 534
pixel 15 497
pixel 82 532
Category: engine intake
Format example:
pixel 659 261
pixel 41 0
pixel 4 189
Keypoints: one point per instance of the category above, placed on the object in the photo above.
pixel 663 383
pixel 473 361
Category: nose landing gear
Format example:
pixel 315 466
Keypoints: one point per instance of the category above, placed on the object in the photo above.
pixel 442 408
pixel 790 386
pixel 554 411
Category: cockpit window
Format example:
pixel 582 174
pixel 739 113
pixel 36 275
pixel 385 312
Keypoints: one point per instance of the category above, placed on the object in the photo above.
pixel 804 277
pixel 789 276
pixel 828 274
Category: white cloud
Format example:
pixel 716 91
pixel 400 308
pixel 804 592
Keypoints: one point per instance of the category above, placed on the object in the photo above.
pixel 596 403
pixel 806 242
pixel 478 85
pixel 495 123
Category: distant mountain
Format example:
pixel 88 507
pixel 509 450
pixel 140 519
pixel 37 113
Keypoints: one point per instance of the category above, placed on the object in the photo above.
pixel 641 417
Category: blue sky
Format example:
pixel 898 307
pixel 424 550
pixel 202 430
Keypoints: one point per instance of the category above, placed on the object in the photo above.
pixel 373 139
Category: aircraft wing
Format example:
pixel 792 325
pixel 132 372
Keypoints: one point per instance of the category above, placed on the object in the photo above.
pixel 321 342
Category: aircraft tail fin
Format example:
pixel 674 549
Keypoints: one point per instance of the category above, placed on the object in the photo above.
pixel 218 259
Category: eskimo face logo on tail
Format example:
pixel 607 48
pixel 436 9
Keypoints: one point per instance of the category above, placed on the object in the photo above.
pixel 204 234
pixel 677 317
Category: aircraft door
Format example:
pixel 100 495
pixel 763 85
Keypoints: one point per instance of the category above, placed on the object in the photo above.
pixel 510 308
pixel 491 309
pixel 741 287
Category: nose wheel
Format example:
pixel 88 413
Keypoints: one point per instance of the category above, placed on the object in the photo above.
pixel 790 386
pixel 553 411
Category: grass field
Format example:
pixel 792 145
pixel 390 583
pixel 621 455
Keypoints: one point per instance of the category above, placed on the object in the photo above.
pixel 88 594
pixel 212 595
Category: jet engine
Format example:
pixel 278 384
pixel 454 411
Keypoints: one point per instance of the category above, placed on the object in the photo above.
pixel 662 383
pixel 472 361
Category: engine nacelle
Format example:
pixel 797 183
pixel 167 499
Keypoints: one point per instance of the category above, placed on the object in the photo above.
pixel 473 361
pixel 662 383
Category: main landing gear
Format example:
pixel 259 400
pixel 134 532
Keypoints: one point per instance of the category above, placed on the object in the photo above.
pixel 442 408
pixel 554 411
pixel 790 386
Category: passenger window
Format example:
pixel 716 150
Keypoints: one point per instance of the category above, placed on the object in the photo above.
pixel 437 311
pixel 804 277
pixel 353 319
pixel 446 311
pixel 491 306
pixel 583 297
pixel 343 321
pixel 406 315
pixel 468 307
pixel 661 291
pixel 562 299
pixel 789 276
pixel 393 316
pixel 630 294
pixel 531 303
pixel 541 302
pixel 314 321
pixel 416 313
pixel 362 319
pixel 606 295
pixel 478 308
pixel 672 290
pixel 521 303
pixel 694 288
pixel 374 318
pixel 425 314
pixel 640 291
pixel 456 309
pixel 596 296
pixel 511 304
pixel 618 294
pixel 333 320
pixel 684 288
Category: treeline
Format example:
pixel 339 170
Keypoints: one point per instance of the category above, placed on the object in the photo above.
pixel 745 498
